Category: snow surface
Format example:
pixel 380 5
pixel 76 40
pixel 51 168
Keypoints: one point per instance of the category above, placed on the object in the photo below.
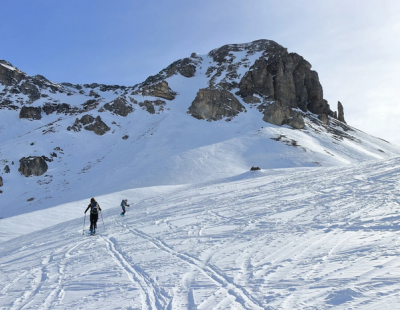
pixel 316 228
pixel 301 238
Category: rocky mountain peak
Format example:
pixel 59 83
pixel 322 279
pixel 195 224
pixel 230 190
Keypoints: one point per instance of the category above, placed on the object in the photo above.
pixel 265 46
pixel 261 74
pixel 5 62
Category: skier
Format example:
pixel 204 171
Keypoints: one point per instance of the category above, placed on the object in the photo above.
pixel 94 215
pixel 124 204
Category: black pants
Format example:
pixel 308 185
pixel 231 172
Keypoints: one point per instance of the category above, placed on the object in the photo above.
pixel 123 209
pixel 93 221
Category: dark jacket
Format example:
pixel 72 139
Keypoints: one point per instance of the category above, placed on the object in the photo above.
pixel 123 203
pixel 94 207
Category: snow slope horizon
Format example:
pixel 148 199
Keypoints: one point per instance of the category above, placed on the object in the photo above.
pixel 170 148
pixel 315 228
pixel 295 238
pixel 167 148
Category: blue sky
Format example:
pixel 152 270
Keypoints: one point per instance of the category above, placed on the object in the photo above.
pixel 354 45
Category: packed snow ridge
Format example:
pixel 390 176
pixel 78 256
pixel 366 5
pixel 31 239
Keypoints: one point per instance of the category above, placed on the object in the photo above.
pixel 314 228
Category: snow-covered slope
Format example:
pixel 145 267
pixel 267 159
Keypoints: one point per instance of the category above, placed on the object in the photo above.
pixel 315 228
pixel 169 147
pixel 301 238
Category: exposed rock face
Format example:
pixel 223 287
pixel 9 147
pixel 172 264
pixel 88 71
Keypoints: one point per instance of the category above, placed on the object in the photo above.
pixel 7 169
pixel 94 94
pixel 33 165
pixel 76 126
pixel 340 112
pixel 324 119
pixel 214 104
pixel 98 127
pixel 251 100
pixel 60 108
pixel 9 75
pixel 258 81
pixel 185 67
pixel 86 119
pixel 295 120
pixel 150 106
pixel 30 113
pixel 90 123
pixel 21 89
pixel 287 78
pixel 30 90
pixel 278 114
pixel 119 106
pixel 161 90
pixel 90 105
pixel 1 181
pixel 275 113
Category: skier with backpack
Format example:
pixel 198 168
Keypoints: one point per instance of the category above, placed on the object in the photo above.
pixel 94 215
pixel 124 204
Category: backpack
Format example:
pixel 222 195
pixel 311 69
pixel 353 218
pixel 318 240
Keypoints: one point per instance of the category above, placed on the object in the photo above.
pixel 94 207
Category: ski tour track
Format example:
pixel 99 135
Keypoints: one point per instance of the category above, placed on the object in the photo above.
pixel 310 239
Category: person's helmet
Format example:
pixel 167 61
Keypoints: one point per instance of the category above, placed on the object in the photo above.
pixel 91 200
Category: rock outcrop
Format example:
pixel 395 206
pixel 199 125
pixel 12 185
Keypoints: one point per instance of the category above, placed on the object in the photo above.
pixel 340 112
pixel 119 106
pixel 1 181
pixel 98 126
pixel 31 113
pixel 33 165
pixel 161 90
pixel 61 108
pixel 287 78
pixel 295 120
pixel 186 67
pixel 278 114
pixel 324 119
pixel 151 106
pixel 214 104
pixel 30 90
pixel 90 123
pixel 275 113
pixel 9 75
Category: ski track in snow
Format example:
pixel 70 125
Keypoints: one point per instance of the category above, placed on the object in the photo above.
pixel 152 297
pixel 310 239
pixel 212 272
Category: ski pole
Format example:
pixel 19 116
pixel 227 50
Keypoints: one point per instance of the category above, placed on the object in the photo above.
pixel 101 213
pixel 83 230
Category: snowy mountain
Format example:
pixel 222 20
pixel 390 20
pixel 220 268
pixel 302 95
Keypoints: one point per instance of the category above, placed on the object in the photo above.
pixel 203 118
pixel 314 228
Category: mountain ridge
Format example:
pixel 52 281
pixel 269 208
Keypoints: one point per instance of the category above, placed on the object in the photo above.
pixel 200 119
